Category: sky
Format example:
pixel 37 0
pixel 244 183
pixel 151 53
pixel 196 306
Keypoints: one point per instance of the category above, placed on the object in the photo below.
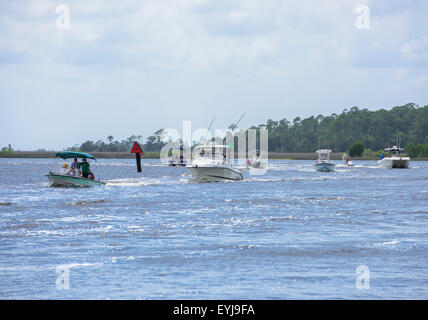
pixel 100 68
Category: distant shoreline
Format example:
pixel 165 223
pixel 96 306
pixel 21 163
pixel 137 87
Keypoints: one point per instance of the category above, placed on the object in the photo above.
pixel 155 155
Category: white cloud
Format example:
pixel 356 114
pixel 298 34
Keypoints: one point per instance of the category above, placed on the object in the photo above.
pixel 182 56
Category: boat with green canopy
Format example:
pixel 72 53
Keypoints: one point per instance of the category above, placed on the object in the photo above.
pixel 72 177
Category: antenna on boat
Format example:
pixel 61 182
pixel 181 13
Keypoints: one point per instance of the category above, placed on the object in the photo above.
pixel 209 128
pixel 235 125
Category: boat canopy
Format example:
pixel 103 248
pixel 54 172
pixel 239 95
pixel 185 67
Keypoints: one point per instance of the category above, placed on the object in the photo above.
pixel 216 146
pixel 72 154
pixel 394 148
pixel 324 151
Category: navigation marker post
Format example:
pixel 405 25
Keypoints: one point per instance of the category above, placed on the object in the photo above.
pixel 138 151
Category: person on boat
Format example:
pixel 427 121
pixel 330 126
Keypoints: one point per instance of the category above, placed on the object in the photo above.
pixel 91 176
pixel 75 164
pixel 73 172
pixel 64 169
pixel 382 156
pixel 85 167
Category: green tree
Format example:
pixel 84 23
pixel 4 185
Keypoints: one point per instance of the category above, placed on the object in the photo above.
pixel 356 150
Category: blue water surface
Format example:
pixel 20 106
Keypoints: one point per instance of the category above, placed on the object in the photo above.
pixel 291 233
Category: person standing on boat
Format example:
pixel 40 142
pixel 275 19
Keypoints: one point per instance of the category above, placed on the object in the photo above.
pixel 85 166
pixel 73 172
pixel 75 164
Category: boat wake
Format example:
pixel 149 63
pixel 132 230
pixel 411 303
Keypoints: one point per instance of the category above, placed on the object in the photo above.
pixel 133 182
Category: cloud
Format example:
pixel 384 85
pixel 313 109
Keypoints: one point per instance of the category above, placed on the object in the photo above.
pixel 187 58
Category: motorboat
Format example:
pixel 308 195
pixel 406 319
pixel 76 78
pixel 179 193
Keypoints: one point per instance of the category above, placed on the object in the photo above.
pixel 255 161
pixel 72 178
pixel 323 162
pixel 176 157
pixel 348 162
pixel 394 159
pixel 211 163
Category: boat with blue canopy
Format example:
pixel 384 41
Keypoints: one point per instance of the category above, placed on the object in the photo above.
pixel 72 176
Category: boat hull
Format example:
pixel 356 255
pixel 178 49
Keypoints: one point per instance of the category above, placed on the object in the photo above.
pixel 58 180
pixel 255 164
pixel 173 164
pixel 325 166
pixel 210 173
pixel 394 163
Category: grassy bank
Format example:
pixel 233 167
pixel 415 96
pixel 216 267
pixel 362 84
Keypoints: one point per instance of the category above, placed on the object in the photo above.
pixel 155 155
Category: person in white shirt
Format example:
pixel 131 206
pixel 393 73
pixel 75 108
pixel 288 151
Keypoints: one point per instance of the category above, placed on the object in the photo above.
pixel 64 169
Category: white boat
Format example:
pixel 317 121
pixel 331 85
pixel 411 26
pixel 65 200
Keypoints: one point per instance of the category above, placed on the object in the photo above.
pixel 255 161
pixel 394 159
pixel 348 162
pixel 176 157
pixel 323 162
pixel 211 164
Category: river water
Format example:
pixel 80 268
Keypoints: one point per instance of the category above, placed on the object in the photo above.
pixel 292 233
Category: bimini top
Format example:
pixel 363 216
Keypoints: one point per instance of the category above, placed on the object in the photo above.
pixel 394 148
pixel 324 151
pixel 72 154
pixel 215 146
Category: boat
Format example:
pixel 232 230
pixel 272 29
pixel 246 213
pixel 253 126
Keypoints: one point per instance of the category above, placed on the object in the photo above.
pixel 348 162
pixel 255 161
pixel 394 159
pixel 176 157
pixel 212 164
pixel 323 162
pixel 62 179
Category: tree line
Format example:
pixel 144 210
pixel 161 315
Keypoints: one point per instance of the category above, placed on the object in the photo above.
pixel 375 130
pixel 152 143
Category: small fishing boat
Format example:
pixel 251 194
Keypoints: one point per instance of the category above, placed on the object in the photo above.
pixel 394 159
pixel 254 161
pixel 65 179
pixel 176 157
pixel 323 162
pixel 348 162
pixel 211 164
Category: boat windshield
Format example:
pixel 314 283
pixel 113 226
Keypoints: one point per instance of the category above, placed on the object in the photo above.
pixel 217 152
pixel 323 155
pixel 395 151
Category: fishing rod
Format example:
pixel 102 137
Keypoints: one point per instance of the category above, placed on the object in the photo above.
pixel 235 125
pixel 209 128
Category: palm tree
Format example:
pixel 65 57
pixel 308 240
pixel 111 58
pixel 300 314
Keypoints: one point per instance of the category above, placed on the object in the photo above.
pixel 110 139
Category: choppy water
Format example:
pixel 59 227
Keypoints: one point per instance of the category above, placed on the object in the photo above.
pixel 292 233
